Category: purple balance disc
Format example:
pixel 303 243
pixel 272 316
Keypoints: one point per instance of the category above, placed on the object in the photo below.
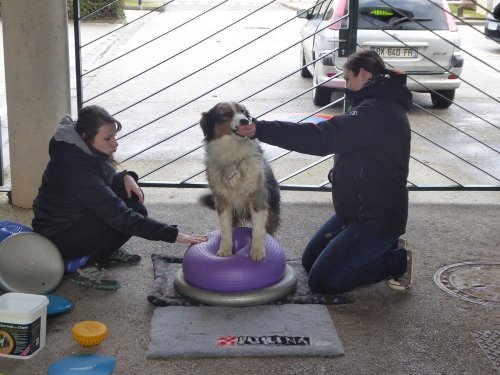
pixel 203 269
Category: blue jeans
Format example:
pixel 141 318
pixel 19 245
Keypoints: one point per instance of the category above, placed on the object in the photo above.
pixel 342 257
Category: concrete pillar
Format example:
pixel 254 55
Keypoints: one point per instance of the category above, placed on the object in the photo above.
pixel 37 81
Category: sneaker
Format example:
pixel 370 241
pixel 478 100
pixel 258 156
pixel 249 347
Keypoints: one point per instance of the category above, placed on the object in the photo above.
pixel 405 281
pixel 121 256
pixel 94 277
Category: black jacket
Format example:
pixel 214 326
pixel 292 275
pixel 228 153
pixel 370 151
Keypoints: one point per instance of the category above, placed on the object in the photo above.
pixel 371 143
pixel 77 183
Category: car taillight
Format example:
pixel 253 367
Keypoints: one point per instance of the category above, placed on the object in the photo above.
pixel 339 9
pixel 452 26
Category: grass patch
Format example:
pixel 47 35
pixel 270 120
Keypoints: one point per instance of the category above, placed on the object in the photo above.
pixel 467 12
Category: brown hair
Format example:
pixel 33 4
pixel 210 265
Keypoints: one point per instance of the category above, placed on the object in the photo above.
pixel 370 61
pixel 90 119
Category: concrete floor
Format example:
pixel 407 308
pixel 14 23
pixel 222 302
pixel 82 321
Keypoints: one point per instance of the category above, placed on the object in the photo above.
pixel 424 331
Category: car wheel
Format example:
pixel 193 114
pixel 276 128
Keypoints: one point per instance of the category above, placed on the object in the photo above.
pixel 304 72
pixel 321 95
pixel 443 101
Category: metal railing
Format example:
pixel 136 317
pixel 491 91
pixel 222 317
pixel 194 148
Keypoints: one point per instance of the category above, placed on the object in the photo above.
pixel 190 181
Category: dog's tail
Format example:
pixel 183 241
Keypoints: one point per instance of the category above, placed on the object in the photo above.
pixel 208 200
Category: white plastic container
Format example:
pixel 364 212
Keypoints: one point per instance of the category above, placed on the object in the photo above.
pixel 23 324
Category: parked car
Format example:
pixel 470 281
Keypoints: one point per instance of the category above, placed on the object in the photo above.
pixel 492 24
pixel 416 36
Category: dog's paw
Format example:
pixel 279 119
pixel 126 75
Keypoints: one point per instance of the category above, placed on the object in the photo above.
pixel 257 254
pixel 224 252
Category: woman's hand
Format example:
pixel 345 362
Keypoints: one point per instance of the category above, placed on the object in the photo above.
pixel 132 187
pixel 247 130
pixel 187 238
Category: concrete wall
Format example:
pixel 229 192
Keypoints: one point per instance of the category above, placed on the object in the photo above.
pixel 37 80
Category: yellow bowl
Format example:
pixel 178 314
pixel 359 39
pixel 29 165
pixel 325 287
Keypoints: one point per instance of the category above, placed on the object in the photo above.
pixel 89 332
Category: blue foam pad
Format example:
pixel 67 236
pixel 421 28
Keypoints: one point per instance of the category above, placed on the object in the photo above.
pixel 4 233
pixel 8 228
pixel 14 227
pixel 85 364
pixel 58 304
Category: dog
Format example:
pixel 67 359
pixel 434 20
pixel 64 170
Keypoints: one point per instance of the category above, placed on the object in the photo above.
pixel 243 186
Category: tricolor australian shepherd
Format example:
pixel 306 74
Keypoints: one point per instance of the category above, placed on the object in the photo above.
pixel 242 183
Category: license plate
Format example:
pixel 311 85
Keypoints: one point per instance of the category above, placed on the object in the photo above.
pixel 395 52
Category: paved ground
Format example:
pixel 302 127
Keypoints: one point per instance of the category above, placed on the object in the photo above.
pixel 425 331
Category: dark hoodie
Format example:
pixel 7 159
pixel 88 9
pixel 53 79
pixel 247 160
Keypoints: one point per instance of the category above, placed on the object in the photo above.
pixel 371 143
pixel 78 182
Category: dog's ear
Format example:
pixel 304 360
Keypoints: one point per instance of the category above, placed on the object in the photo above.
pixel 203 122
pixel 246 112
pixel 207 124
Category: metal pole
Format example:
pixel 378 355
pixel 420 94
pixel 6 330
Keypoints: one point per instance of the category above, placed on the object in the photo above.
pixel 78 56
pixel 352 30
pixel 350 36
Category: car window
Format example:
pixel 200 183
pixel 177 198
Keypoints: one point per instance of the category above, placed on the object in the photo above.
pixel 401 15
pixel 329 12
pixel 321 10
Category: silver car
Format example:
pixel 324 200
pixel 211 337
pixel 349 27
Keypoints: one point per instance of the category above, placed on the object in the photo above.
pixel 416 36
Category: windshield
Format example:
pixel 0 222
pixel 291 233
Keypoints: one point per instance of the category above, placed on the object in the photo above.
pixel 402 15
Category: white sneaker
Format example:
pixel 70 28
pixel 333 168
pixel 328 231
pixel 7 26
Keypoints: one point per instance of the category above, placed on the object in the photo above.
pixel 405 281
